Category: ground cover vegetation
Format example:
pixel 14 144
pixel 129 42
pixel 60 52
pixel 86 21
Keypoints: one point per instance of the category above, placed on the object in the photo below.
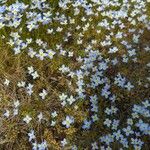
pixel 74 75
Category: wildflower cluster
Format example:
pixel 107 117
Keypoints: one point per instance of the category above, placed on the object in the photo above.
pixel 78 74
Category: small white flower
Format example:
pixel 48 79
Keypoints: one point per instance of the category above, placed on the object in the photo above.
pixel 74 147
pixel 50 54
pixel 71 100
pixel 71 74
pixel 7 113
pixel 34 146
pixel 147 49
pixel 16 103
pixel 2 25
pixel 63 97
pixel 64 142
pixel 21 84
pixel 15 112
pixel 40 117
pixel 107 122
pixel 128 130
pixel 41 54
pixel 62 52
pixel 70 54
pixel 129 86
pixel 95 118
pixel 29 40
pixel 146 103
pixel 64 69
pixel 68 121
pixel 76 107
pixel 31 135
pixel 43 94
pixel 30 69
pixel 54 114
pixel 39 42
pixel 31 53
pixel 59 29
pixel 27 119
pixel 35 75
pixel 6 82
pixel 49 31
pixel 42 146
pixel 113 50
pixel 86 124
pixel 31 26
pixel 53 123
pixel 94 146
pixel 129 121
pixel 30 92
pixel 29 89
pixel 63 103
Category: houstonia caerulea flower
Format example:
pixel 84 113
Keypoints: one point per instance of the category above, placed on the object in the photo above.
pixel 107 122
pixel 64 142
pixel 53 123
pixel 31 135
pixel 146 103
pixel 40 117
pixel 124 142
pixel 95 117
pixel 35 75
pixel 6 82
pixel 74 147
pixel 34 146
pixel 64 69
pixel 68 121
pixel 94 108
pixel 49 31
pixel 137 142
pixel 42 146
pixel 130 121
pixel 16 103
pixel 1 25
pixel 29 89
pixel 54 114
pixel 50 53
pixel 107 139
pixel 27 119
pixel 41 55
pixel 21 84
pixel 32 72
pixel 71 100
pixel 87 124
pixel 93 72
pixel 119 80
pixel 7 113
pixel 31 52
pixel 63 97
pixel 128 130
pixel 15 111
pixel 144 127
pixel 118 135
pixel 105 91
pixel 31 26
pixel 113 50
pixel 30 69
pixel 115 124
pixel 43 94
pixel 129 86
pixel 2 8
pixel 94 146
